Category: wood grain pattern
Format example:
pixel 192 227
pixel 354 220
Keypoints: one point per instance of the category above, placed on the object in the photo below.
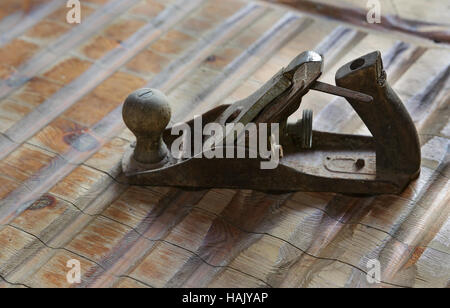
pixel 62 139
pixel 21 18
pixel 397 15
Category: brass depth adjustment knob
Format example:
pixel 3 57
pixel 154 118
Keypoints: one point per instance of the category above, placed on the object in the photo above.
pixel 146 112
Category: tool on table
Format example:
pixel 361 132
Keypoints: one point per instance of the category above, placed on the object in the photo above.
pixel 308 160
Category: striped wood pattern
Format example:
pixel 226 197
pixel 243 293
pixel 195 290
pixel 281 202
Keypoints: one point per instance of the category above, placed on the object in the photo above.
pixel 62 139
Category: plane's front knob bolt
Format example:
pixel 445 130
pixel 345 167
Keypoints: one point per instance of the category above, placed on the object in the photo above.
pixel 146 113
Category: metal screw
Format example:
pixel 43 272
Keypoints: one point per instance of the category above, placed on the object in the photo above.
pixel 306 129
pixel 301 131
pixel 360 163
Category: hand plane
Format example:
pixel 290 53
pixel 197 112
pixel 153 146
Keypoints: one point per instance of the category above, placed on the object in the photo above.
pixel 307 160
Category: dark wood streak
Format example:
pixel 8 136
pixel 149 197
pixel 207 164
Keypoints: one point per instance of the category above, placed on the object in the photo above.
pixel 358 17
pixel 394 53
pixel 423 101
pixel 334 46
pixel 404 63
pixel 333 39
pixel 44 201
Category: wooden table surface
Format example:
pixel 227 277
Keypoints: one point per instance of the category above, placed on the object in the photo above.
pixel 62 138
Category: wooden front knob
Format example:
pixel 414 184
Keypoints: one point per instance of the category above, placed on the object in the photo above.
pixel 146 113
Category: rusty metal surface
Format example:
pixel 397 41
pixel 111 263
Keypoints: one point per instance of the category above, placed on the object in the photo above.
pixel 62 140
pixel 395 143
